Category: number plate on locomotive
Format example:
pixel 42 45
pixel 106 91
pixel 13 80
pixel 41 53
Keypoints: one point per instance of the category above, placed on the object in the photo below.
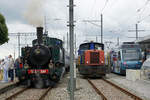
pixel 41 71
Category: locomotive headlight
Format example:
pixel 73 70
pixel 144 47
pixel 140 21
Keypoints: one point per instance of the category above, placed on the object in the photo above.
pixel 37 51
pixel 26 66
pixel 87 62
pixel 102 62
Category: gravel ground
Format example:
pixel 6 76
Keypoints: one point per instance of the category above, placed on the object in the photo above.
pixel 84 91
pixel 110 92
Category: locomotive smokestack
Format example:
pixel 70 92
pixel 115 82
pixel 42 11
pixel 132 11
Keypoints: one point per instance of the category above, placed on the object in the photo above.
pixel 39 35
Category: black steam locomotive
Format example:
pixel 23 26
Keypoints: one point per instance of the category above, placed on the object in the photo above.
pixel 43 64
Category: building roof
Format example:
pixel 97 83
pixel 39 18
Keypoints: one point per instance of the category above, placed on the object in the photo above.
pixel 144 40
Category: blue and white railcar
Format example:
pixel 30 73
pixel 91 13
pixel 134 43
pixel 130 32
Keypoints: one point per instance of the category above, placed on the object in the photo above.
pixel 127 56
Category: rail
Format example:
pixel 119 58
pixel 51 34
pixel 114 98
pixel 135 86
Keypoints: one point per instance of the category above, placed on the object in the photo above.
pixel 97 90
pixel 9 87
pixel 45 93
pixel 123 90
pixel 16 94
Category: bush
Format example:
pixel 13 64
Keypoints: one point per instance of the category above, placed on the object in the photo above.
pixel 3 30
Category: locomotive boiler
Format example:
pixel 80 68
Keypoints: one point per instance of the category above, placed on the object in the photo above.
pixel 43 63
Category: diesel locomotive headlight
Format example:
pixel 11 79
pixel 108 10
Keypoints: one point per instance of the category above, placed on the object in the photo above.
pixel 87 62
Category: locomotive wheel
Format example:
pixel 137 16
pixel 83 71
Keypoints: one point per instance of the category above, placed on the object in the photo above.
pixel 20 79
pixel 28 83
pixel 55 78
pixel 67 69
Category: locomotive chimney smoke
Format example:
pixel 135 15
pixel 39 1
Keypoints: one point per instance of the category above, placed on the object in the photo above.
pixel 39 34
pixel 34 13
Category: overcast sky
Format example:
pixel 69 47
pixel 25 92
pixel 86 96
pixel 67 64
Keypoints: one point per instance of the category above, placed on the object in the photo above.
pixel 119 17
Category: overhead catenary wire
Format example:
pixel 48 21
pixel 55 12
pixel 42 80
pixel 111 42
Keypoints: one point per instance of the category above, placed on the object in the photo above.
pixel 141 11
pixel 143 19
pixel 94 24
pixel 106 2
pixel 143 7
pixel 93 6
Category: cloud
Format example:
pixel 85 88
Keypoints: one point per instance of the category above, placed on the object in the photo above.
pixel 119 17
pixel 12 45
pixel 16 27
pixel 13 9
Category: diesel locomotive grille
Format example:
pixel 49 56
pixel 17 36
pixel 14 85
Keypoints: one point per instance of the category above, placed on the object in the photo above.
pixel 94 57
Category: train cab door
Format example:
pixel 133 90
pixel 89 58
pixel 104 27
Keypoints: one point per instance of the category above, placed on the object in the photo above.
pixel 114 60
pixel 118 62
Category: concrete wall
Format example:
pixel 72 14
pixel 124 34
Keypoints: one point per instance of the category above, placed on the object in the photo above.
pixel 145 74
pixel 133 75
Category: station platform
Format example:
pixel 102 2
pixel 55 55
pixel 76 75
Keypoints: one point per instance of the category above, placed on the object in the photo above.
pixel 5 85
pixel 138 87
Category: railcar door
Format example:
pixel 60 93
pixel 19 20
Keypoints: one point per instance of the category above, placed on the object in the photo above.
pixel 114 61
pixel 119 62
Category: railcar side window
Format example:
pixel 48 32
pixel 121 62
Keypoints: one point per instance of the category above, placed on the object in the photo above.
pixel 129 55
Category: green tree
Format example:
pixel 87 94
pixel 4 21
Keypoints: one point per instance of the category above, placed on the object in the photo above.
pixel 3 30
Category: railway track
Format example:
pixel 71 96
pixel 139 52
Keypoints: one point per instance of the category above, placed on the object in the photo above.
pixel 25 93
pixel 8 88
pixel 44 94
pixel 110 91
pixel 16 94
pixel 97 90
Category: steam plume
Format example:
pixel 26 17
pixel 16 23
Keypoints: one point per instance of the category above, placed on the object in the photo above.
pixel 34 13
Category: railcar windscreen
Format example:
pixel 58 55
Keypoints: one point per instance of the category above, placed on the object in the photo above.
pixel 129 55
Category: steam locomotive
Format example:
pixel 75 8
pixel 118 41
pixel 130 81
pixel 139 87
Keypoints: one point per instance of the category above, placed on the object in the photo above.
pixel 43 63
pixel 91 61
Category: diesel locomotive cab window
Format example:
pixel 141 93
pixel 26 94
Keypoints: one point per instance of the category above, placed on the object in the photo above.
pixel 85 46
pixel 131 55
pixel 98 47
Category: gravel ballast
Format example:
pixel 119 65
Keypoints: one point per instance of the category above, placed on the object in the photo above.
pixel 84 91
